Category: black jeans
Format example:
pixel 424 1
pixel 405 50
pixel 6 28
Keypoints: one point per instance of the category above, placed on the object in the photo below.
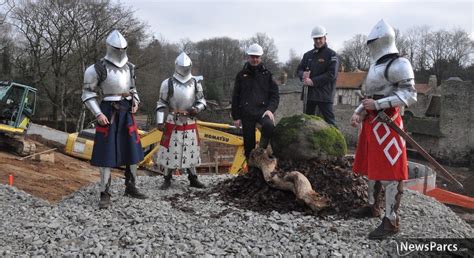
pixel 324 108
pixel 248 128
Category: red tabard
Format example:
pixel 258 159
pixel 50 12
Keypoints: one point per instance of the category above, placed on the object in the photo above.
pixel 381 152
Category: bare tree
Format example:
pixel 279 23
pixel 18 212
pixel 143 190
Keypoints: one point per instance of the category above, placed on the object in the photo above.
pixel 6 6
pixel 461 48
pixel 412 46
pixel 219 60
pixel 355 53
pixel 291 65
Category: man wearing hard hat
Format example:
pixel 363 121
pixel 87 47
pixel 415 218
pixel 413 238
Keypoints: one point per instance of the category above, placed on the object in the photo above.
pixel 318 72
pixel 255 99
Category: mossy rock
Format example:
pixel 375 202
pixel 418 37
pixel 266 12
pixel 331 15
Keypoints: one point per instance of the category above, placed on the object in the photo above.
pixel 306 137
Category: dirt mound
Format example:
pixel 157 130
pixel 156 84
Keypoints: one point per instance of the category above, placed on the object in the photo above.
pixel 333 179
pixel 47 180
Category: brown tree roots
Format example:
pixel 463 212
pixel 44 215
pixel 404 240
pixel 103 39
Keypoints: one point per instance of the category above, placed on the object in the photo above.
pixel 293 181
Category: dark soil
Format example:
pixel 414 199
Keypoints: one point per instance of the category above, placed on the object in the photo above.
pixel 332 179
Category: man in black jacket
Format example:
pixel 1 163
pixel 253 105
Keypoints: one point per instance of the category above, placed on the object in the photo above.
pixel 318 72
pixel 255 100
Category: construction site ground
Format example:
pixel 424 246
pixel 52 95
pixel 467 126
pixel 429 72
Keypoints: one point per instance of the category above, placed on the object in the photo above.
pixel 53 181
pixel 47 180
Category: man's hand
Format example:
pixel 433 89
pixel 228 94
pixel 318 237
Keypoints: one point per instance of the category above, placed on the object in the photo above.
pixel 270 115
pixel 357 118
pixel 369 104
pixel 308 82
pixel 134 107
pixel 237 123
pixel 160 127
pixel 102 120
pixel 192 111
pixel 306 74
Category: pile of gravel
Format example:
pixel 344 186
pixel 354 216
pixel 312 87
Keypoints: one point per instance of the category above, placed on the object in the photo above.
pixel 179 222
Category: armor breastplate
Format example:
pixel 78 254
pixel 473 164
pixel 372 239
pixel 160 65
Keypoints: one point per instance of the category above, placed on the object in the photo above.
pixel 376 84
pixel 183 97
pixel 118 80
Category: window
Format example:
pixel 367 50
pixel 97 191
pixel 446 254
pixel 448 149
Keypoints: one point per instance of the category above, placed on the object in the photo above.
pixel 30 103
pixel 339 99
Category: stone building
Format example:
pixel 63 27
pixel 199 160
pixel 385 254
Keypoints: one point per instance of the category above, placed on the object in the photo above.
pixel 347 84
pixel 442 121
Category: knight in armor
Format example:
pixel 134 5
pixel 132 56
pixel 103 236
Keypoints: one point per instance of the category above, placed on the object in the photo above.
pixel 182 96
pixel 254 100
pixel 381 152
pixel 116 141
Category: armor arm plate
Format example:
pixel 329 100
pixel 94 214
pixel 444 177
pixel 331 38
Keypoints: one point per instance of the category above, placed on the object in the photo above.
pixel 359 109
pixel 133 89
pixel 200 103
pixel 401 75
pixel 93 106
pixel 162 103
pixel 402 97
pixel 89 90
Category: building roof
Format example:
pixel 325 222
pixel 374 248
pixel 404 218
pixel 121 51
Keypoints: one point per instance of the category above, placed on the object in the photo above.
pixel 422 88
pixel 350 80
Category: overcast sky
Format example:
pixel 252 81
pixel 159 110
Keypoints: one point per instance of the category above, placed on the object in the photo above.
pixel 290 23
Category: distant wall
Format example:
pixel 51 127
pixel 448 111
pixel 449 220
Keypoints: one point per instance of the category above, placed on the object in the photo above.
pixel 419 107
pixel 456 122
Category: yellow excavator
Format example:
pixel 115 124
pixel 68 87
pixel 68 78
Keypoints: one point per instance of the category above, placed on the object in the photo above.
pixel 80 144
pixel 17 106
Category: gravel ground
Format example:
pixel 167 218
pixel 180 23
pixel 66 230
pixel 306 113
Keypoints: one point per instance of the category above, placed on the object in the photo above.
pixel 211 227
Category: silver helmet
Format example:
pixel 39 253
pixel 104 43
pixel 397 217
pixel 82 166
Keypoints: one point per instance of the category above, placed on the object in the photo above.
pixel 381 41
pixel 182 70
pixel 116 49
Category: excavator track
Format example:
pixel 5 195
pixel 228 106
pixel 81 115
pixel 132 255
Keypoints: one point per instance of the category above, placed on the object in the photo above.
pixel 18 144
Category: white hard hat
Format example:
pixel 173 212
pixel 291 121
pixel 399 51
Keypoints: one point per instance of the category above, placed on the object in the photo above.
pixel 318 31
pixel 255 50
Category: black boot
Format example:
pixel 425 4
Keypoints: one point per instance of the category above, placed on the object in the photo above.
pixel 130 189
pixel 194 182
pixel 263 142
pixel 386 229
pixel 104 202
pixel 166 183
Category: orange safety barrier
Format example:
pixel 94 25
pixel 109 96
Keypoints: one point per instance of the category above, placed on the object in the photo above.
pixel 448 197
